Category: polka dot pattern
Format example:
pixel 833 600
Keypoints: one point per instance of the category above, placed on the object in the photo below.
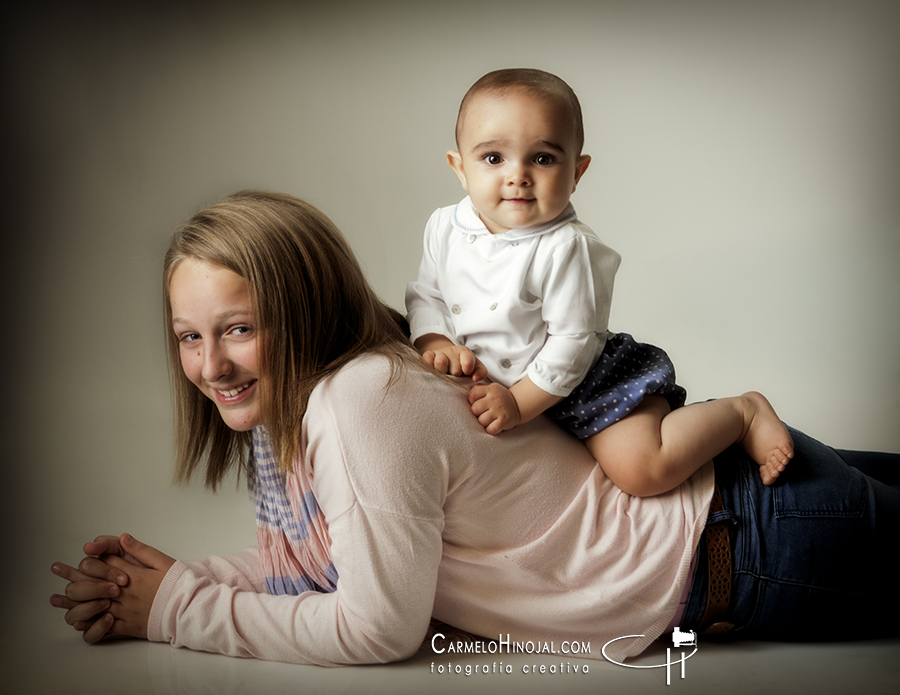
pixel 625 372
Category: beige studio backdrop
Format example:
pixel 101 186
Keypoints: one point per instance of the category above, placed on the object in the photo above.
pixel 745 165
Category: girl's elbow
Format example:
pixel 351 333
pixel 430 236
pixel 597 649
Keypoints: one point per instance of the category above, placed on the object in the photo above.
pixel 397 647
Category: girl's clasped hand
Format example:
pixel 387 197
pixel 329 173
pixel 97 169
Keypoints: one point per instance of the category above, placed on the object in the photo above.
pixel 112 589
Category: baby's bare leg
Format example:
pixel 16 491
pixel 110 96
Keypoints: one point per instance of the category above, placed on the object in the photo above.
pixel 654 450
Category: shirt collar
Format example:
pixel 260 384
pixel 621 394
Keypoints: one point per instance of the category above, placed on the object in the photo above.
pixel 466 220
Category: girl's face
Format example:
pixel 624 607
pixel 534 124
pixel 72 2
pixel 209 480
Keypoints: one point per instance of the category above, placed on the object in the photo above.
pixel 212 318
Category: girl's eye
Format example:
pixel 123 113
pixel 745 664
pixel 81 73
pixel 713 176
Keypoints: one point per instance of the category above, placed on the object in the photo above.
pixel 188 337
pixel 544 159
pixel 242 330
pixel 493 159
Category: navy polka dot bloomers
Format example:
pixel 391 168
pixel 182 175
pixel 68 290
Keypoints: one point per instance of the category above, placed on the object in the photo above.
pixel 625 372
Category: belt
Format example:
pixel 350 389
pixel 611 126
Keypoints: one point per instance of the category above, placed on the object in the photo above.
pixel 718 548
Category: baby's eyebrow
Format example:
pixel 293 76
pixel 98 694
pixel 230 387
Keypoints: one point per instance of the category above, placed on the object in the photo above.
pixel 487 145
pixel 492 144
pixel 554 146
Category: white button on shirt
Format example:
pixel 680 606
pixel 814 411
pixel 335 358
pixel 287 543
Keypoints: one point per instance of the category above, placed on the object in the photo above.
pixel 536 300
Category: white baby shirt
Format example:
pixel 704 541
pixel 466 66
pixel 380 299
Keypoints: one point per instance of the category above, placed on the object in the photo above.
pixel 532 301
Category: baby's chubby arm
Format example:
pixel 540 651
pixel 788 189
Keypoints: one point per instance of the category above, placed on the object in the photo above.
pixel 499 408
pixel 456 360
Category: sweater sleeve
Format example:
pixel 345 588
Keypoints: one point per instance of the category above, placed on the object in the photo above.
pixel 576 291
pixel 382 502
pixel 240 570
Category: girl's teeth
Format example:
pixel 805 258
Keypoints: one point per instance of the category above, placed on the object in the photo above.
pixel 233 392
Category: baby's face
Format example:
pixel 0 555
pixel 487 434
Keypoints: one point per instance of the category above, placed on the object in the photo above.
pixel 517 159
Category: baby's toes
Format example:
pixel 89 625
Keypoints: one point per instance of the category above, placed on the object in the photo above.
pixel 779 458
pixel 771 471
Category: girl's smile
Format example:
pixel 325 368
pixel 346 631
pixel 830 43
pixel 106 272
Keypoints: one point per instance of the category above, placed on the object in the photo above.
pixel 235 395
pixel 212 317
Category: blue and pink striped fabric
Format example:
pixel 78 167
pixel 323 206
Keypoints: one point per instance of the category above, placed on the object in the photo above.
pixel 294 547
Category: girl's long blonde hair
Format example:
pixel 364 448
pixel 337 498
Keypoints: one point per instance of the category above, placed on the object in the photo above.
pixel 313 308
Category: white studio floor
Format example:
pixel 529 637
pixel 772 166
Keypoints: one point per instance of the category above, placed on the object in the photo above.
pixel 41 655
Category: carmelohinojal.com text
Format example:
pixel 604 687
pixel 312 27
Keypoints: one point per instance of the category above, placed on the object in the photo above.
pixel 440 645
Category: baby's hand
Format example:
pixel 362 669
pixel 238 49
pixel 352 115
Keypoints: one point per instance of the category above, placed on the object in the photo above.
pixel 495 407
pixel 455 360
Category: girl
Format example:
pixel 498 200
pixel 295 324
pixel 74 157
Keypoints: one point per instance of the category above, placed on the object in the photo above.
pixel 381 501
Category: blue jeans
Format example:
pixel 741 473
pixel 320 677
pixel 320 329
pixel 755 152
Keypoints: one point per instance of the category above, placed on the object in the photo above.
pixel 811 554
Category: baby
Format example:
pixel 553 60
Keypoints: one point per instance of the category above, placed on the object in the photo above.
pixel 514 288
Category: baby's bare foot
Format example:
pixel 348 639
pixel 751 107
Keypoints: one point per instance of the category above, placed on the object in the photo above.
pixel 765 438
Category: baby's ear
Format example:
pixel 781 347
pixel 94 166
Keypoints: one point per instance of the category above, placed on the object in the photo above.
pixel 455 161
pixel 580 167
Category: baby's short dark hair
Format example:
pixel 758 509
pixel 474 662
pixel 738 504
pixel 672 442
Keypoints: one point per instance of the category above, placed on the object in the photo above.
pixel 534 82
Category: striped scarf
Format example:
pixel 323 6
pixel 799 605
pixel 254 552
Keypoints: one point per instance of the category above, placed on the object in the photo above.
pixel 294 547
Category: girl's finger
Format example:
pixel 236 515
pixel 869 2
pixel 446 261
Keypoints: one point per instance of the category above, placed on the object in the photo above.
pixel 98 569
pixel 58 601
pixel 90 590
pixel 86 611
pixel 98 629
pixel 70 573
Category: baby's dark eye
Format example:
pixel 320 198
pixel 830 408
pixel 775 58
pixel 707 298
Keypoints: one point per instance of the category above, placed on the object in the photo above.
pixel 493 159
pixel 544 159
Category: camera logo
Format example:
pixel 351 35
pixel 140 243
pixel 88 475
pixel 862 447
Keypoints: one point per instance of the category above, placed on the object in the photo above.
pixel 684 639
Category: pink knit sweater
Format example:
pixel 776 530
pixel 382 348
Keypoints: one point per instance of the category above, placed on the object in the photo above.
pixel 520 534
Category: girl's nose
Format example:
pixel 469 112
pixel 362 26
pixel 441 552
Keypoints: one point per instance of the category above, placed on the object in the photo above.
pixel 216 364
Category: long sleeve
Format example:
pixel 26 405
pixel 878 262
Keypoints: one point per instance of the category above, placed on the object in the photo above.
pixel 426 310
pixel 382 499
pixel 239 570
pixel 576 287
